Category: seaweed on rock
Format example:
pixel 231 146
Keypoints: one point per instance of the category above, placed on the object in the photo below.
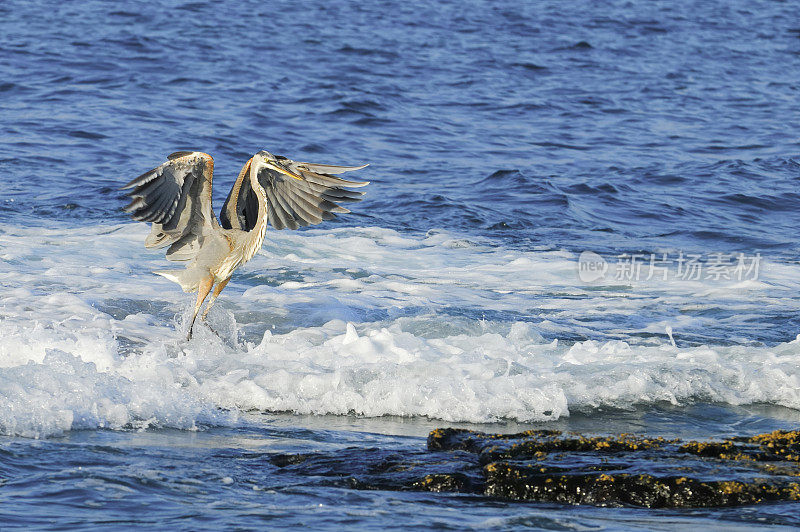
pixel 550 466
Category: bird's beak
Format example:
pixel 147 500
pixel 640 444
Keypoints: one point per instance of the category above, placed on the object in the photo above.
pixel 273 166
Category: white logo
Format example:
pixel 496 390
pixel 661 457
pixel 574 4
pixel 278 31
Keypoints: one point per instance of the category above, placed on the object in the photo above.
pixel 591 267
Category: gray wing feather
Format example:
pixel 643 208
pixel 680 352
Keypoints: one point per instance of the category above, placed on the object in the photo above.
pixel 277 217
pixel 292 203
pixel 299 215
pixel 156 193
pixel 292 220
pixel 309 213
pixel 176 198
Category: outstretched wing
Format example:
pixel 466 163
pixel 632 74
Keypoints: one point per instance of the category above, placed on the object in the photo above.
pixel 291 202
pixel 176 198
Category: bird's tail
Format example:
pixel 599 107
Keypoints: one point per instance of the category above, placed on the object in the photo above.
pixel 182 277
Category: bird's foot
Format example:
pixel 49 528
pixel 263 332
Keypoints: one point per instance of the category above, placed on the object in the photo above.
pixel 210 328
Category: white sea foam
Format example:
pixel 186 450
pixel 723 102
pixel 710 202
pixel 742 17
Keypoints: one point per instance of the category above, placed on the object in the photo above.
pixel 368 321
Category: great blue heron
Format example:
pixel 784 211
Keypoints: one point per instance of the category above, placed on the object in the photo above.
pixel 176 198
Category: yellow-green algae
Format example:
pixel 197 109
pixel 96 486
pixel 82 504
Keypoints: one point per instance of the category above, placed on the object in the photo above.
pixel 572 468
pixel 556 467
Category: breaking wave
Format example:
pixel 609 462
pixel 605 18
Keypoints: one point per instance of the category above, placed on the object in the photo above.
pixel 361 321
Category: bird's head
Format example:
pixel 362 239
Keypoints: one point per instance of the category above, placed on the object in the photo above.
pixel 277 163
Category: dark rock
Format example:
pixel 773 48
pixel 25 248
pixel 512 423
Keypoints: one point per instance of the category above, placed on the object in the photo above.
pixel 554 467
pixel 527 483
pixel 283 460
pixel 549 466
pixel 444 482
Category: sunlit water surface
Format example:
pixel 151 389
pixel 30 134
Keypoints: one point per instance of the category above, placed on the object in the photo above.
pixel 504 141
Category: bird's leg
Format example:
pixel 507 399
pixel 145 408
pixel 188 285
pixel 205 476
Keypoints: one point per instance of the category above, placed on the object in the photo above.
pixel 214 295
pixel 202 292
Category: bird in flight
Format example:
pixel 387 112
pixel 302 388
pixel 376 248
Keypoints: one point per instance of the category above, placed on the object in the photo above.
pixel 176 198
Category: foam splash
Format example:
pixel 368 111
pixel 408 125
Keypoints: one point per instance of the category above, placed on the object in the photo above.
pixel 63 393
pixel 369 370
pixel 369 328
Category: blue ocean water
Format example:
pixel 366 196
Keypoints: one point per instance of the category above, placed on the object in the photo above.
pixel 504 139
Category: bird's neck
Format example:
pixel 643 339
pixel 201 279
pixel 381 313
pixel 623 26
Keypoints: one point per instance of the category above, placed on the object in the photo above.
pixel 256 236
